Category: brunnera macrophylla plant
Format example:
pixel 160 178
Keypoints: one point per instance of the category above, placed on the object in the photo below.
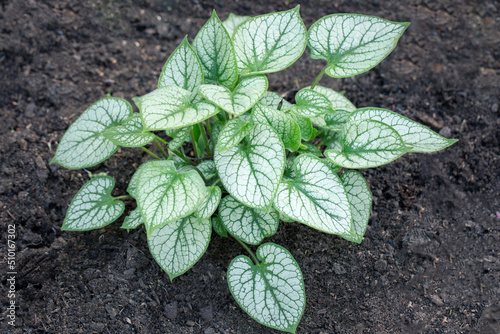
pixel 258 158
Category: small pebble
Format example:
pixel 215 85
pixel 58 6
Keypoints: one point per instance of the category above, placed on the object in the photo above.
pixel 494 107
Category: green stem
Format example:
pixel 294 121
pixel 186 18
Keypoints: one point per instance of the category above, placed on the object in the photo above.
pixel 318 78
pixel 204 134
pixel 193 141
pixel 216 181
pixel 151 153
pixel 180 154
pixel 158 144
pixel 254 258
pixel 122 197
pixel 162 140
pixel 201 174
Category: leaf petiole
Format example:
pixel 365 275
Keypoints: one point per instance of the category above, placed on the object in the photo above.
pixel 158 144
pixel 320 75
pixel 151 153
pixel 252 255
pixel 122 197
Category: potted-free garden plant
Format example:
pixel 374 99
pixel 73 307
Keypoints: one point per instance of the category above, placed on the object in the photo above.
pixel 258 159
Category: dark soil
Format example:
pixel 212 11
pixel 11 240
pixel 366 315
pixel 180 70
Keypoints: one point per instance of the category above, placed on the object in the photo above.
pixel 429 262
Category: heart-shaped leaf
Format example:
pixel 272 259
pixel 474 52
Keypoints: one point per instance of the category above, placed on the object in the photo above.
pixel 271 292
pixel 216 53
pixel 365 144
pixel 252 172
pixel 84 145
pixel 241 99
pixel 177 246
pixel 165 194
pixel 269 43
pixel 169 107
pixel 182 69
pixel 210 204
pixel 310 103
pixel 130 133
pixel 352 43
pixel 421 138
pixel 133 220
pixel 93 206
pixel 315 197
pixel 282 124
pixel 247 224
pixel 232 134
pixel 360 198
pixel 233 21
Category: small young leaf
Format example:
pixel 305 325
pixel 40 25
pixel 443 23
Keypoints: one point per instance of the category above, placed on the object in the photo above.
pixel 252 173
pixel 208 169
pixel 271 292
pixel 219 227
pixel 282 124
pixel 133 220
pixel 241 99
pixel 247 224
pixel 214 136
pixel 306 129
pixel 165 194
pixel 273 100
pixel 310 103
pixel 338 100
pixel 336 121
pixel 233 21
pixel 360 198
pixel 177 246
pixel 421 138
pixel 200 143
pixel 179 136
pixel 130 133
pixel 93 206
pixel 269 43
pixel 169 107
pixel 311 149
pixel 365 144
pixel 210 204
pixel 352 43
pixel 83 144
pixel 316 197
pixel 216 53
pixel 232 134
pixel 182 69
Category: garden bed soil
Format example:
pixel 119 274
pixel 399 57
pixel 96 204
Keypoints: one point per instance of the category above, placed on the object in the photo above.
pixel 428 264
